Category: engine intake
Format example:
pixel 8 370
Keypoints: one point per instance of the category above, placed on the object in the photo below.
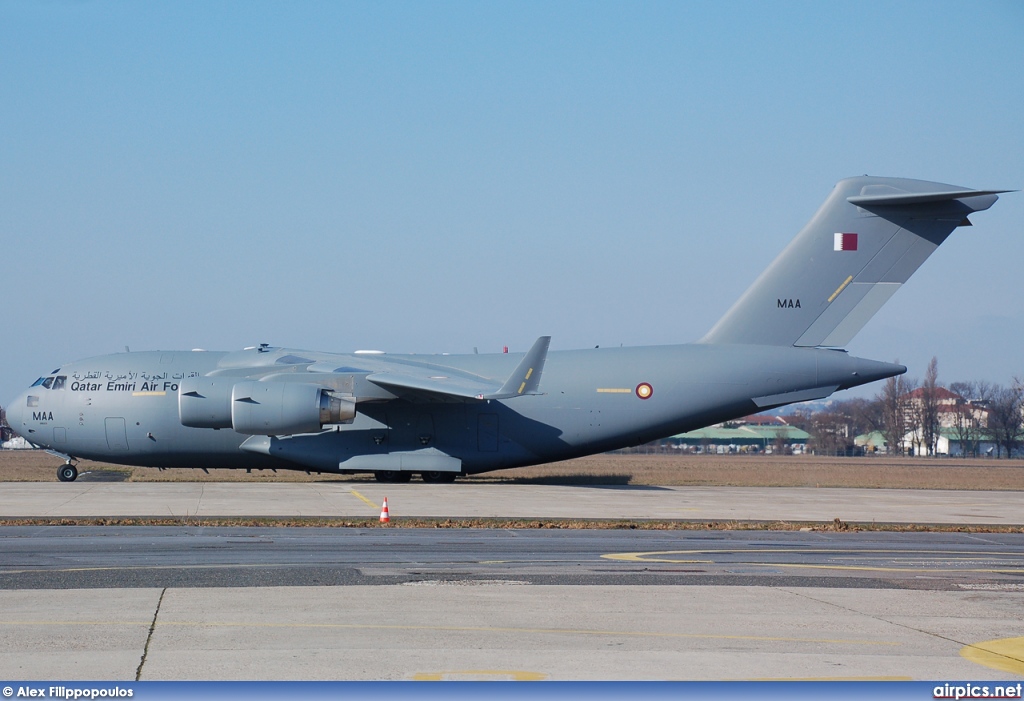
pixel 205 402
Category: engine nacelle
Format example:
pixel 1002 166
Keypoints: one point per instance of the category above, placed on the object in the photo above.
pixel 286 408
pixel 205 402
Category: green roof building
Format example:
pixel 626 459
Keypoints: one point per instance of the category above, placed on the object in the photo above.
pixel 758 436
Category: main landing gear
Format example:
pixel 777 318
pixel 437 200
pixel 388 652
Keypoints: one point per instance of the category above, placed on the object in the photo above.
pixel 392 476
pixel 67 472
pixel 401 476
pixel 439 477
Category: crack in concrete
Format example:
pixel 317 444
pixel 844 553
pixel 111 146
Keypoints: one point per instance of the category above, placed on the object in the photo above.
pixel 149 637
pixel 79 495
pixel 905 626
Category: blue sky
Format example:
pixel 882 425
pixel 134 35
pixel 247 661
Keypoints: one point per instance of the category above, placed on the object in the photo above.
pixel 430 177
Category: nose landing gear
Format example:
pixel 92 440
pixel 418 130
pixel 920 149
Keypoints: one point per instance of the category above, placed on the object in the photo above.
pixel 67 472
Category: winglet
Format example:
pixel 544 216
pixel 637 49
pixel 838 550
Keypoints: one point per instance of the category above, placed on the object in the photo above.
pixel 525 379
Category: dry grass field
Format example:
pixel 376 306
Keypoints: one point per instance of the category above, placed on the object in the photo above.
pixel 667 470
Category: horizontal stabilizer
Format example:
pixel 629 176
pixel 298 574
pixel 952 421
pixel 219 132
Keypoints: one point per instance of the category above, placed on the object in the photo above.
pixel 920 198
pixel 804 395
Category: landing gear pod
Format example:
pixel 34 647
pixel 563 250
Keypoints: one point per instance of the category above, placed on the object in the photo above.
pixel 285 408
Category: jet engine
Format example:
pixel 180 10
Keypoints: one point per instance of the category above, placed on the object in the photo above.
pixel 260 408
pixel 205 402
pixel 285 408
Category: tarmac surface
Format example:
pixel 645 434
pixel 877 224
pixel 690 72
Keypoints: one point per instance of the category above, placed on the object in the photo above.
pixel 191 500
pixel 192 602
pixel 74 557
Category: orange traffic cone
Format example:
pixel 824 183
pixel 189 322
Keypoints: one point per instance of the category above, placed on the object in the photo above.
pixel 385 517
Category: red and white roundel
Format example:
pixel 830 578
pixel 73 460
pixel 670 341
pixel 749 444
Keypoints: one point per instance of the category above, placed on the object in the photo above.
pixel 644 390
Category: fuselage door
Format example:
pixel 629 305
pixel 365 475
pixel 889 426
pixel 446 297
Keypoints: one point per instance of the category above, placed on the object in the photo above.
pixel 117 436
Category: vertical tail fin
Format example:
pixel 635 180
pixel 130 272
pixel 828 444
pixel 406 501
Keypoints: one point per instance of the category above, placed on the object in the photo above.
pixel 865 241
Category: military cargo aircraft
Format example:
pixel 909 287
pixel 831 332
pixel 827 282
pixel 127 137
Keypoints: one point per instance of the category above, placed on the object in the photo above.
pixel 440 416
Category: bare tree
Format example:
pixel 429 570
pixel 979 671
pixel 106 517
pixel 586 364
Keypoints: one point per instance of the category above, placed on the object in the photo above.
pixel 928 407
pixel 865 415
pixel 894 403
pixel 1005 417
pixel 966 421
pixel 830 432
pixel 780 446
pixel 801 418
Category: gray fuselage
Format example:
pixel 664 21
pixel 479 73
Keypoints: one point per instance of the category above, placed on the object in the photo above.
pixel 124 408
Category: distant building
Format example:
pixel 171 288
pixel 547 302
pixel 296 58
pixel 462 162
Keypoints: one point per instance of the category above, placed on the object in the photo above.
pixel 951 408
pixel 743 438
pixel 872 443
pixel 949 443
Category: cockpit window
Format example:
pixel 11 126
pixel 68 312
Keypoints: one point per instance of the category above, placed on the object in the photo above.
pixel 38 382
pixel 60 381
pixel 48 382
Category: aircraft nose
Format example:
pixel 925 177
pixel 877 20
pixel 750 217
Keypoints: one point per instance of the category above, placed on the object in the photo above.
pixel 15 413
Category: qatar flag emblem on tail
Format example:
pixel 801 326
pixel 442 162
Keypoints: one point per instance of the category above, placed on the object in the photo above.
pixel 846 242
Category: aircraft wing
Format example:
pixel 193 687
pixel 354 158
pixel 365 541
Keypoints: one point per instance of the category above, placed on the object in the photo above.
pixel 431 384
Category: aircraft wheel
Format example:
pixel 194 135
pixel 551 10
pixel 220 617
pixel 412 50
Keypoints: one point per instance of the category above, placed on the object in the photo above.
pixel 439 477
pixel 392 476
pixel 67 473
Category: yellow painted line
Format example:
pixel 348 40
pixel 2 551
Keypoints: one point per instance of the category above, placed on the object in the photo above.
pixel 360 496
pixel 512 675
pixel 609 390
pixel 148 394
pixel 834 679
pixel 466 629
pixel 140 568
pixel 873 568
pixel 1006 655
pixel 843 568
pixel 840 288
pixel 77 623
pixel 528 373
pixel 816 551
pixel 522 387
pixel 552 631
pixel 654 557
